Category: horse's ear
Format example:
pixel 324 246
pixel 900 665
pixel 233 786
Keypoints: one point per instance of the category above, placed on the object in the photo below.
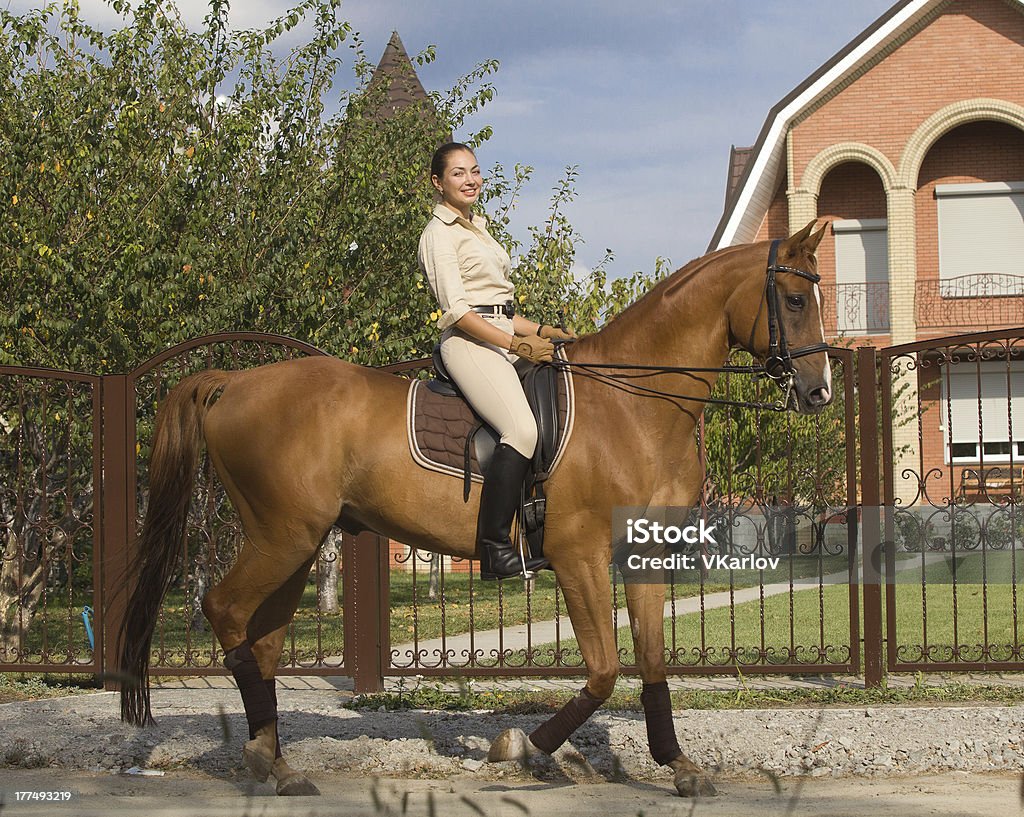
pixel 805 240
pixel 811 243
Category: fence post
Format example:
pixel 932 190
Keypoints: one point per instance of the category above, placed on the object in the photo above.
pixel 118 435
pixel 365 589
pixel 870 504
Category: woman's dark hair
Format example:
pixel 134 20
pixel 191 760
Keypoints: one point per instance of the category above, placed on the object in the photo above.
pixel 440 160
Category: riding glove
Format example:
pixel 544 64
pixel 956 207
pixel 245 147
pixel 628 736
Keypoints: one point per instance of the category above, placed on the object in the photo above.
pixel 556 333
pixel 533 347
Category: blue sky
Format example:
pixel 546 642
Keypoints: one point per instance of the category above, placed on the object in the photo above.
pixel 644 96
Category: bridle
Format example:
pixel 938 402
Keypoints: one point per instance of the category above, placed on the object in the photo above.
pixel 778 365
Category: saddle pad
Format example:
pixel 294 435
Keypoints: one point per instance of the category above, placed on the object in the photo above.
pixel 438 425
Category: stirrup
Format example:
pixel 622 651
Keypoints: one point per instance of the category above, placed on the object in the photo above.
pixel 525 574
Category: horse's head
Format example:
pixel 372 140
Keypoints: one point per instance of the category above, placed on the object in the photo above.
pixel 776 316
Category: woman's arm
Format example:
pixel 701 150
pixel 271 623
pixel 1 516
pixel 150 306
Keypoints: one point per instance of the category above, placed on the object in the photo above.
pixel 529 345
pixel 478 327
pixel 524 326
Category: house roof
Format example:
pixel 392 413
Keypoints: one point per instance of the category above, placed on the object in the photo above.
pixel 753 178
pixel 738 160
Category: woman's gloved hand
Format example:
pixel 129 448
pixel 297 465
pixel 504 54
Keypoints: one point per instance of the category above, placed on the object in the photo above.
pixel 554 333
pixel 533 347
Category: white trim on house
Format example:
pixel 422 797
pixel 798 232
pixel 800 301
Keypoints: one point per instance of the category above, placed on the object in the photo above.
pixel 859 225
pixel 754 197
pixel 978 189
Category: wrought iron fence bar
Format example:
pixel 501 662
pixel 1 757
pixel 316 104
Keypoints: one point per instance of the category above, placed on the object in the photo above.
pixel 867 378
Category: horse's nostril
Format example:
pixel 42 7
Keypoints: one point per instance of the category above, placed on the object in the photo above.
pixel 820 396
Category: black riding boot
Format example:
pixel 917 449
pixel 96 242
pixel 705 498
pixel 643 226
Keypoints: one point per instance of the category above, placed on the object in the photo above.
pixel 499 500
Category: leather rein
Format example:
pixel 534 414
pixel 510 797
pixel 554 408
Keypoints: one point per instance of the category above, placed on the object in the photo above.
pixel 778 365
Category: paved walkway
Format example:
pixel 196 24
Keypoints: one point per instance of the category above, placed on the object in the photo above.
pixel 488 642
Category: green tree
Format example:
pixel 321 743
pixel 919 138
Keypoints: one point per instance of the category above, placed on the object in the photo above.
pixel 768 456
pixel 161 183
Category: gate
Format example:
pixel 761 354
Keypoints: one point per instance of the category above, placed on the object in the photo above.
pixel 953 441
pixel 50 521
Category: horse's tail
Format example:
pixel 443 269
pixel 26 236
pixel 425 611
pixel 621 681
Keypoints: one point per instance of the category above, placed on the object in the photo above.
pixel 172 468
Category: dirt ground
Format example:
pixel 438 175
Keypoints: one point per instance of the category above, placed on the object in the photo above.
pixel 956 794
pixel 914 761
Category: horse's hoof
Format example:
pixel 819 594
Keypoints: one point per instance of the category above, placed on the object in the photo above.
pixel 296 785
pixel 291 783
pixel 693 783
pixel 512 744
pixel 257 760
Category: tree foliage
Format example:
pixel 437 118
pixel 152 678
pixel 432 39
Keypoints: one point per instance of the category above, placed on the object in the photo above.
pixel 774 457
pixel 161 183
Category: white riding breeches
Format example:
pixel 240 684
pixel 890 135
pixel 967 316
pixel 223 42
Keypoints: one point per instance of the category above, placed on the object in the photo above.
pixel 485 375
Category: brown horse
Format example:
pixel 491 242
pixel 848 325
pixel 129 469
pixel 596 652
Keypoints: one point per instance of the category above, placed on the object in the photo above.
pixel 305 444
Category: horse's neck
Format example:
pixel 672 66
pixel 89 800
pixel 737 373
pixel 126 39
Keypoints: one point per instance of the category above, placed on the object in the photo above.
pixel 681 322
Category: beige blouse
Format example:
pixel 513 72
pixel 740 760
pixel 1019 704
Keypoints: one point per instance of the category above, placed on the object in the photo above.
pixel 464 265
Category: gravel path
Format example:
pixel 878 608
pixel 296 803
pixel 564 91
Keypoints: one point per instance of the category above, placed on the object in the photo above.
pixel 84 733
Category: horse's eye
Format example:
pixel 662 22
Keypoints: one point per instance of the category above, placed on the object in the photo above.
pixel 795 301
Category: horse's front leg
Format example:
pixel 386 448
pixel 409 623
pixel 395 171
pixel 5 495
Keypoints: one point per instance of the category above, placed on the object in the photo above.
pixel 646 605
pixel 588 599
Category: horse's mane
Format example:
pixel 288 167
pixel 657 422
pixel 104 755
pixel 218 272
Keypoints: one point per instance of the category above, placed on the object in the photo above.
pixel 668 285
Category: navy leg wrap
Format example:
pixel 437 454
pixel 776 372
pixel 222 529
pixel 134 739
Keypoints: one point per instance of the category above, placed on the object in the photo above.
pixel 556 730
pixel 661 733
pixel 259 702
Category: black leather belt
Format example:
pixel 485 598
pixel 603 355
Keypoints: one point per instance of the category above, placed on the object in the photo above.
pixel 508 309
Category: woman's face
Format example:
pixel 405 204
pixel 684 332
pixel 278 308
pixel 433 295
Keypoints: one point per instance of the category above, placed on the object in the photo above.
pixel 460 185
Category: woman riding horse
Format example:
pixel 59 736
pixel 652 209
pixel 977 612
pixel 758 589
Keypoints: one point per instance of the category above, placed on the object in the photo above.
pixel 468 272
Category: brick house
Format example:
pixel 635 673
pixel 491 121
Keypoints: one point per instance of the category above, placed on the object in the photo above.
pixel 910 141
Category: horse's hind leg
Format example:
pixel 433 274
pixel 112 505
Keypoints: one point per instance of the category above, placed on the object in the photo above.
pixel 646 605
pixel 270 580
pixel 266 633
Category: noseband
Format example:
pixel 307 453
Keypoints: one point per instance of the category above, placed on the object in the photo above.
pixel 778 365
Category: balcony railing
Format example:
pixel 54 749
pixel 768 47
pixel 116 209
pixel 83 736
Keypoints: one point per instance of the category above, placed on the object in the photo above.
pixel 971 302
pixel 855 309
pixel 966 303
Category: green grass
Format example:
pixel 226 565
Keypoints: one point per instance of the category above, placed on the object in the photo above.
pixel 781 629
pixel 811 626
pixel 771 633
pixel 433 696
pixel 28 687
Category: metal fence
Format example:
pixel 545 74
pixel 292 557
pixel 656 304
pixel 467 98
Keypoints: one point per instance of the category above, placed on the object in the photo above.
pixel 74 450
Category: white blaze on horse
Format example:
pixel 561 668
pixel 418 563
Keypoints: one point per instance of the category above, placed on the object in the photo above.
pixel 302 445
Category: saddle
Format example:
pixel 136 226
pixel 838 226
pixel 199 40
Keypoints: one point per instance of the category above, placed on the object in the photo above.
pixel 447 436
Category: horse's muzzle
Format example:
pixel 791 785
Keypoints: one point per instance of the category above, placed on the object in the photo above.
pixel 811 401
